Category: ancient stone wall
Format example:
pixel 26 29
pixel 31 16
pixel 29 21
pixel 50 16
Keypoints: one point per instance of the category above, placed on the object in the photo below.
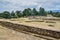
pixel 39 31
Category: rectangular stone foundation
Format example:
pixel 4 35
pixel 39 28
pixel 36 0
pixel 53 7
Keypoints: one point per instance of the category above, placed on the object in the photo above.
pixel 39 31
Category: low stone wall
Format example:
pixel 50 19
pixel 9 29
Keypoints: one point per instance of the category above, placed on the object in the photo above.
pixel 39 31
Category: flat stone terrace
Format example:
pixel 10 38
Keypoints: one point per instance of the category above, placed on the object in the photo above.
pixel 33 29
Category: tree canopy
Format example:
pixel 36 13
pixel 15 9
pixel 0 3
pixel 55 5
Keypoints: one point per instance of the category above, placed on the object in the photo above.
pixel 28 12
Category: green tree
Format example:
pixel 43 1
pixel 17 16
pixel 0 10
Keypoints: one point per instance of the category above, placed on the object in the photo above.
pixel 0 14
pixel 35 12
pixel 27 12
pixel 13 14
pixel 18 13
pixel 42 12
pixel 50 12
pixel 6 14
pixel 56 14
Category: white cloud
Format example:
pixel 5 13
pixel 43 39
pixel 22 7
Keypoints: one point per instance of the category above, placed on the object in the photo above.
pixel 21 4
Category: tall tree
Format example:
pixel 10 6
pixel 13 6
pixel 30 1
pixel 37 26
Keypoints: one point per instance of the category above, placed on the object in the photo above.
pixel 1 15
pixel 35 12
pixel 13 14
pixel 6 14
pixel 18 13
pixel 26 12
pixel 42 12
pixel 50 12
pixel 29 11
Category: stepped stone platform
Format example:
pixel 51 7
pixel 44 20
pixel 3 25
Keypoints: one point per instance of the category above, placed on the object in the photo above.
pixel 40 31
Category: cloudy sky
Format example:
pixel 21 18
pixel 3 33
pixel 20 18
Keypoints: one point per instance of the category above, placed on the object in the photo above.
pixel 10 5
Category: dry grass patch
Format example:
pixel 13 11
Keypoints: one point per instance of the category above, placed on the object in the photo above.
pixel 38 22
pixel 50 22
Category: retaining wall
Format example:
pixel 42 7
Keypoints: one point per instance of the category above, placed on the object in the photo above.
pixel 39 31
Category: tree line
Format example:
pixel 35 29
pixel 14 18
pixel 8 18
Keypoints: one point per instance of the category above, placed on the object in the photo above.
pixel 28 12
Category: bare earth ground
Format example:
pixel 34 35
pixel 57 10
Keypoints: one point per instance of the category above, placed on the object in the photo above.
pixel 44 25
pixel 36 23
pixel 8 34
